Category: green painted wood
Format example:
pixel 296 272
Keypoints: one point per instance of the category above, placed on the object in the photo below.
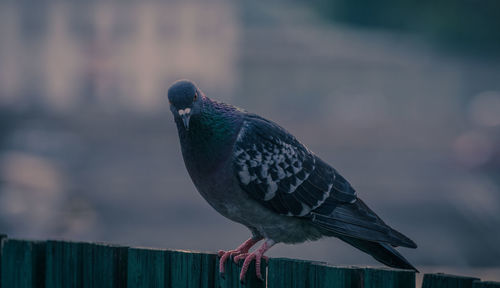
pixel 64 264
pixel 388 278
pixel 2 237
pixel 321 275
pixel 38 268
pixel 146 268
pixel 288 273
pixel 69 264
pixel 231 278
pixel 104 265
pixel 485 284
pixel 191 269
pixel 298 273
pixel 441 280
pixel 23 264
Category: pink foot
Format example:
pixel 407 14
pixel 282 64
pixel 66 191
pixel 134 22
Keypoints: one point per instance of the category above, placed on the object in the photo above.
pixel 242 249
pixel 237 258
pixel 257 255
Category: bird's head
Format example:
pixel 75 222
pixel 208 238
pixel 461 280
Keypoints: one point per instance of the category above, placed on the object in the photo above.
pixel 185 100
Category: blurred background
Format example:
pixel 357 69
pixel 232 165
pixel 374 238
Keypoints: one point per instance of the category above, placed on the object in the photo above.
pixel 402 97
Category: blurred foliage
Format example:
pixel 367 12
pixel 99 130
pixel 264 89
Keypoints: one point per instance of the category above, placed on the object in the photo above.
pixel 470 25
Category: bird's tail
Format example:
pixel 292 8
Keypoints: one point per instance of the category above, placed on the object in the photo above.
pixel 382 252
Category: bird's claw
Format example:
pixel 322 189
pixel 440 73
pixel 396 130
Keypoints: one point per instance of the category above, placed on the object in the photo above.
pixel 237 258
pixel 221 253
pixel 233 254
pixel 257 255
pixel 241 253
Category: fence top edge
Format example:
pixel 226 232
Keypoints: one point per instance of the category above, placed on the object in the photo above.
pixel 389 269
pixel 10 240
pixel 192 251
pixel 450 276
pixel 348 267
pixel 311 262
pixel 487 282
pixel 183 251
pixel 105 244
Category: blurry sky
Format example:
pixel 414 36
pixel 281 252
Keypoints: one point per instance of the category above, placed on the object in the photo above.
pixel 89 151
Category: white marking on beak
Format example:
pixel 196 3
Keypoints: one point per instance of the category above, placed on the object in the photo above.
pixel 185 111
pixel 185 114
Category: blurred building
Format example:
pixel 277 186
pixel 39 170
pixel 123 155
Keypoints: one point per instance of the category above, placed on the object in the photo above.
pixel 61 55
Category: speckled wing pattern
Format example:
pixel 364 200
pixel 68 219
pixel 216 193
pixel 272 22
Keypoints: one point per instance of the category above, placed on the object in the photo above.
pixel 282 174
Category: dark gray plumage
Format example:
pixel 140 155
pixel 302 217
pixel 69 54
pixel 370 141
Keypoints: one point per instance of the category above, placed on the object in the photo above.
pixel 256 173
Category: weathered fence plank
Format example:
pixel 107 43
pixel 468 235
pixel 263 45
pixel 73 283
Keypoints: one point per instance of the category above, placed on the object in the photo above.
pixel 388 278
pixel 485 284
pixel 2 237
pixel 146 268
pixel 440 280
pixel 321 275
pixel 191 269
pixel 22 264
pixel 287 273
pixel 64 265
pixel 104 266
pixel 298 273
pixel 231 278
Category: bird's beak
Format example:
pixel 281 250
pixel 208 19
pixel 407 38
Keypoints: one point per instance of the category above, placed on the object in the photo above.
pixel 185 115
pixel 185 120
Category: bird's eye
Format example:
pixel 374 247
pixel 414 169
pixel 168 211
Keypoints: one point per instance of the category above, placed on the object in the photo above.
pixel 195 96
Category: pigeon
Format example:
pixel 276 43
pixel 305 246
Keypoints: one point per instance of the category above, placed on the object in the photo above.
pixel 256 173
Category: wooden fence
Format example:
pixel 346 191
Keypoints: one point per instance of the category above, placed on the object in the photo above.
pixel 73 264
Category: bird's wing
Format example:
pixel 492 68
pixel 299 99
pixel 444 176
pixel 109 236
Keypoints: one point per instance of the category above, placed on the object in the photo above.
pixel 279 172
